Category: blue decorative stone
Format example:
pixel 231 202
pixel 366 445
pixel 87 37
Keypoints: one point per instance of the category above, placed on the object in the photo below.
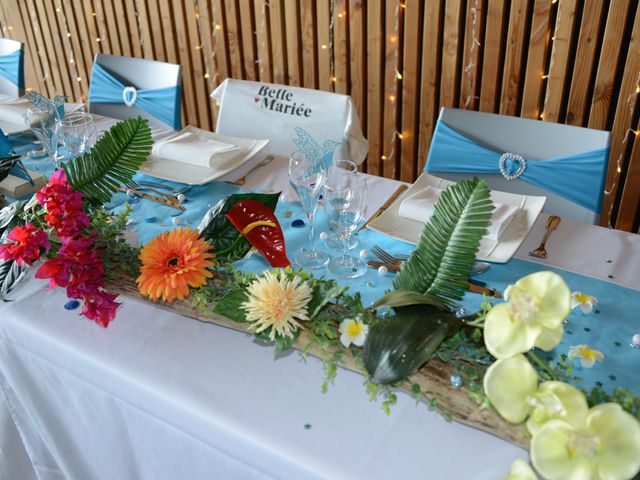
pixel 297 223
pixel 150 219
pixel 71 305
pixel 456 380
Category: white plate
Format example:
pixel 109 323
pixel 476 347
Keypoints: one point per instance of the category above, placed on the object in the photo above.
pixel 195 174
pixel 402 228
pixel 13 128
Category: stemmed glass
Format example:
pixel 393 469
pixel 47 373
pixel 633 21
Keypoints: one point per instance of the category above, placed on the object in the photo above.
pixel 45 129
pixel 307 176
pixel 334 241
pixel 77 132
pixel 346 198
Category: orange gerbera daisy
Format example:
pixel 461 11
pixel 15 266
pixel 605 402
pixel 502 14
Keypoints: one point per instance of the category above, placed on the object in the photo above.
pixel 172 262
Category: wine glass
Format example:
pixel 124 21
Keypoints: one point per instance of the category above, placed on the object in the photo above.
pixel 77 132
pixel 45 128
pixel 347 198
pixel 307 176
pixel 334 241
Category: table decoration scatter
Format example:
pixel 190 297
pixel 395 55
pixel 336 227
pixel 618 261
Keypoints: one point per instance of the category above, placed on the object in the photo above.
pixel 486 368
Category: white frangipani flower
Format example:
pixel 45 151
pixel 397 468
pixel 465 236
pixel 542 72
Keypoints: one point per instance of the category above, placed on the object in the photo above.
pixel 353 330
pixel 584 301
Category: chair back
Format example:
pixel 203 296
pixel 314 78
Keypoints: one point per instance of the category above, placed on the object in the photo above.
pixel 324 125
pixel 11 67
pixel 566 164
pixel 125 87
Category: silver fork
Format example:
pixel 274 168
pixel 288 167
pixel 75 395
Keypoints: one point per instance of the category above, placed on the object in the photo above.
pixel 174 191
pixel 385 256
pixel 145 186
pixel 476 269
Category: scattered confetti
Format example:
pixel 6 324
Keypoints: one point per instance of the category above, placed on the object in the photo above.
pixel 288 214
pixel 612 377
pixel 71 305
pixel 307 426
pixel 610 276
pixel 617 344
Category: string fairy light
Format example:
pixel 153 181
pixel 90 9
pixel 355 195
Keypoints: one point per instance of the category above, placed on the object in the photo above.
pixel 631 101
pixel 332 65
pixel 395 135
pixel 475 43
pixel 136 13
pixel 71 57
pixel 546 76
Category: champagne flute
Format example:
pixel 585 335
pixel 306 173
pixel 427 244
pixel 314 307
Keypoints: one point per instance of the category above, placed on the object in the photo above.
pixel 307 176
pixel 334 241
pixel 347 198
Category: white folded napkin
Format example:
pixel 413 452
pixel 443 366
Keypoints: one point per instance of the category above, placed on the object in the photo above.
pixel 191 148
pixel 420 207
pixel 14 111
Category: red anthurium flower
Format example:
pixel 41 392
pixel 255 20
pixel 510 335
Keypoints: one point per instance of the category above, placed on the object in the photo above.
pixel 258 224
pixel 28 243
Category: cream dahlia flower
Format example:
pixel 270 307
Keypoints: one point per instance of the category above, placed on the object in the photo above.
pixel 277 303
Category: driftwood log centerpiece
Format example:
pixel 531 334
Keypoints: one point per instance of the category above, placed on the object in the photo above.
pixel 434 377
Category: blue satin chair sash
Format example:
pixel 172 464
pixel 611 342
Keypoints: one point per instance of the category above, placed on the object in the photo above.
pixel 12 67
pixel 579 178
pixel 161 103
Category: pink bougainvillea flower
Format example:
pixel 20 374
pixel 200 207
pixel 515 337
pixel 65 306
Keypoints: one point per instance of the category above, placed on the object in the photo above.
pixel 100 307
pixel 28 243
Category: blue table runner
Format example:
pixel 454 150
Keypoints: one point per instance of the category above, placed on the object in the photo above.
pixel 609 328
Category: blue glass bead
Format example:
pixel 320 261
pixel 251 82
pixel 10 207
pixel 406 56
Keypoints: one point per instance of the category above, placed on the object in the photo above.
pixel 461 312
pixel 150 219
pixel 71 305
pixel 297 223
pixel 456 380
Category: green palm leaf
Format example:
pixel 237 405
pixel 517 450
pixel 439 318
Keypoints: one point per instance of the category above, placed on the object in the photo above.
pixel 442 261
pixel 113 161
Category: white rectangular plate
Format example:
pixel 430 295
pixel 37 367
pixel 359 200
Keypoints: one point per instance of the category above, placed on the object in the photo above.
pixel 402 228
pixel 195 174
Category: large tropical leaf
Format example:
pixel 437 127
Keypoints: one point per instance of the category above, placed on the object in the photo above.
pixel 397 346
pixel 442 261
pixel 113 161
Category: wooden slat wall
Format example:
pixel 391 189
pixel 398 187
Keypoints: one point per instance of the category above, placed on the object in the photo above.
pixel 568 61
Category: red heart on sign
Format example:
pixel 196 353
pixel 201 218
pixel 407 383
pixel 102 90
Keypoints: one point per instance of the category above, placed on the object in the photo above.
pixel 256 99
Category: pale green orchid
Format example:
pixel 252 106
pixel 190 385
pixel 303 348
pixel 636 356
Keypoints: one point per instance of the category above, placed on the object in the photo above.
pixel 511 384
pixel 556 400
pixel 508 384
pixel 532 317
pixel 521 470
pixel 606 447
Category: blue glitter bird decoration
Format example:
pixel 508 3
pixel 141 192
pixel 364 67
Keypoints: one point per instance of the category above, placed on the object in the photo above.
pixel 306 143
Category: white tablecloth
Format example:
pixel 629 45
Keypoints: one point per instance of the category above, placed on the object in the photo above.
pixel 160 396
